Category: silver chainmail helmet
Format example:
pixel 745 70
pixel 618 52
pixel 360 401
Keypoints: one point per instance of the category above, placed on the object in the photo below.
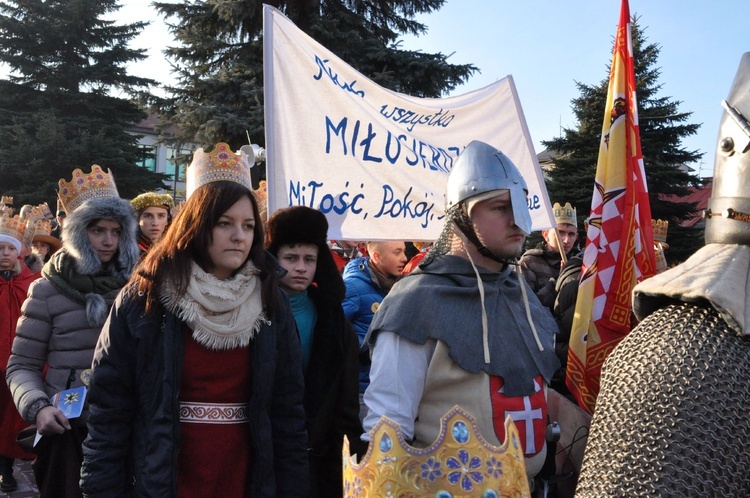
pixel 480 171
pixel 728 213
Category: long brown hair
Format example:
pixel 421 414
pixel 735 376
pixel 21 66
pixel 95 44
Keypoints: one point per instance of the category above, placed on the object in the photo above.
pixel 188 239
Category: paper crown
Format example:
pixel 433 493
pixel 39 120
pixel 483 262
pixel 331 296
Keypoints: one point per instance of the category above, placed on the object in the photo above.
pixel 31 218
pixel 7 200
pixel 152 199
pixel 42 233
pixel 261 196
pixel 565 214
pixel 220 165
pixel 660 230
pixel 44 207
pixel 12 226
pixel 43 227
pixel 85 186
pixel 459 463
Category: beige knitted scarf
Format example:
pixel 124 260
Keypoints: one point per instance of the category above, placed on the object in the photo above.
pixel 223 314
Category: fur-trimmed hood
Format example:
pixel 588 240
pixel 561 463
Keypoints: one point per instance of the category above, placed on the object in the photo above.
pixel 76 241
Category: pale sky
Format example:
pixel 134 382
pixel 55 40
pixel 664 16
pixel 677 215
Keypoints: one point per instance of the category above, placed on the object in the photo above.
pixel 548 45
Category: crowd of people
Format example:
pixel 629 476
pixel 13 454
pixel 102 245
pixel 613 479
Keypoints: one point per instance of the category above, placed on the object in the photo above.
pixel 210 351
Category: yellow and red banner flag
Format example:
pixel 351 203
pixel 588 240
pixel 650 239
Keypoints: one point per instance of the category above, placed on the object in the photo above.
pixel 619 239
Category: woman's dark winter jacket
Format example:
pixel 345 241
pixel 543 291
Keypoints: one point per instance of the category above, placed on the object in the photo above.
pixel 331 396
pixel 134 428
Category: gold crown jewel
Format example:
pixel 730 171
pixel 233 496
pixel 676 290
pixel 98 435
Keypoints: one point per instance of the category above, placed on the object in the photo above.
pixel 459 463
pixel 85 186
pixel 660 228
pixel 220 165
pixel 565 214
pixel 12 226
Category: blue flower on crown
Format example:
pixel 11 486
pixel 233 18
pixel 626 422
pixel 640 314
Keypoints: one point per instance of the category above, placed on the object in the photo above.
pixel 465 470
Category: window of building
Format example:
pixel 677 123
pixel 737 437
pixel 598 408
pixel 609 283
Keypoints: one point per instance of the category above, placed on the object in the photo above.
pixel 177 163
pixel 147 157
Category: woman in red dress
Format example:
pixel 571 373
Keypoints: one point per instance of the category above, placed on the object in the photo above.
pixel 197 383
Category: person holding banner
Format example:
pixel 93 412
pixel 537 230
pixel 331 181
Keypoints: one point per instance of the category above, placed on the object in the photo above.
pixel 197 386
pixel 463 328
pixel 541 265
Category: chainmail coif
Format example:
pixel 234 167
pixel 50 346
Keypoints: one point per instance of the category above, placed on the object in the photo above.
pixel 653 434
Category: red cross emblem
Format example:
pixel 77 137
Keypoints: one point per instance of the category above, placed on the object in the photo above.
pixel 529 413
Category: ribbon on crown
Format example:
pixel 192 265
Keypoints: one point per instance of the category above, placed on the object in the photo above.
pixel 459 463
pixel 85 186
pixel 219 165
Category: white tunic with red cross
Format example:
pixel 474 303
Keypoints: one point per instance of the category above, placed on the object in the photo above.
pixel 482 395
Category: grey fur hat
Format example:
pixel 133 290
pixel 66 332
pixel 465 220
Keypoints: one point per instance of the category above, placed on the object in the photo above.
pixel 76 242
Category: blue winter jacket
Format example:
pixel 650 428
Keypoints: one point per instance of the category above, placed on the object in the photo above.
pixel 363 296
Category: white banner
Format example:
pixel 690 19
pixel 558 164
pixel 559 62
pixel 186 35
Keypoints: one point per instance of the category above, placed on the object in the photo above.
pixel 374 161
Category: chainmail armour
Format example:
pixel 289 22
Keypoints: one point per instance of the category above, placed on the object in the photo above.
pixel 653 433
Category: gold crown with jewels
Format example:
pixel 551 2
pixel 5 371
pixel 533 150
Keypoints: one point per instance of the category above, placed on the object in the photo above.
pixel 85 186
pixel 219 165
pixel 459 463
pixel 565 214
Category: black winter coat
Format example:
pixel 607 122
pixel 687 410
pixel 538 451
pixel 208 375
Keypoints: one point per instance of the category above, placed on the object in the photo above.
pixel 134 400
pixel 331 396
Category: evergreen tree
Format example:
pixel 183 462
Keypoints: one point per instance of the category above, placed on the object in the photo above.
pixel 662 129
pixel 56 108
pixel 219 59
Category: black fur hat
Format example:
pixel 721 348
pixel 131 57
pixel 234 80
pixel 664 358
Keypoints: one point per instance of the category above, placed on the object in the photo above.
pixel 304 225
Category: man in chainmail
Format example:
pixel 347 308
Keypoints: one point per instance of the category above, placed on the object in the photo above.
pixel 673 413
pixel 463 328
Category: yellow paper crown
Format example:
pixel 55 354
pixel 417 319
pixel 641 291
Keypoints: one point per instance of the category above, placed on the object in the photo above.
pixel 565 214
pixel 85 186
pixel 660 230
pixel 219 165
pixel 12 226
pixel 459 462
pixel 152 199
pixel 7 200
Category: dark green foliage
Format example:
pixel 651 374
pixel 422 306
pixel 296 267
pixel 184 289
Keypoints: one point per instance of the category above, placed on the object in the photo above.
pixel 219 59
pixel 56 109
pixel 662 129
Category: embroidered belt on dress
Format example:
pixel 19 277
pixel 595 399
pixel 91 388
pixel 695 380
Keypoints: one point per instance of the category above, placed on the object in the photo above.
pixel 213 413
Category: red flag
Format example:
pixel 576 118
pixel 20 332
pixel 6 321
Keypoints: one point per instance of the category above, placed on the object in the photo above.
pixel 619 240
